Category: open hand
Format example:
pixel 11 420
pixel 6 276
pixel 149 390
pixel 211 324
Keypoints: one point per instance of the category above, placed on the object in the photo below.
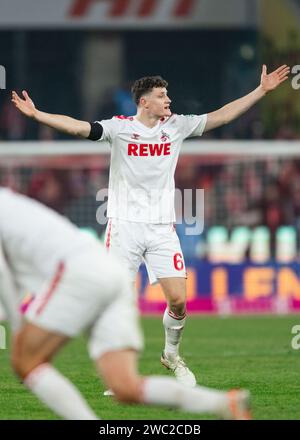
pixel 272 80
pixel 26 105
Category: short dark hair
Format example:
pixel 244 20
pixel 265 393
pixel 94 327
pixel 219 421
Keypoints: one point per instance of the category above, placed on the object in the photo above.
pixel 145 85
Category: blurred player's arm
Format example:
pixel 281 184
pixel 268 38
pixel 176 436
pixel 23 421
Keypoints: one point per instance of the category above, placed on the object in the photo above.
pixel 236 108
pixel 62 123
pixel 9 295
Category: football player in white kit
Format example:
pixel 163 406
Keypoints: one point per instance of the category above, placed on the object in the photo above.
pixel 9 296
pixel 144 154
pixel 79 286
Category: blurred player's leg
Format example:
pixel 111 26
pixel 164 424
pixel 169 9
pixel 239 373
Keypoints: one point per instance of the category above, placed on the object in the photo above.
pixel 33 349
pixel 174 321
pixel 9 295
pixel 118 369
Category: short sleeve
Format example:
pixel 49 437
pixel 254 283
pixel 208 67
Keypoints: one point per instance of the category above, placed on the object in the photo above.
pixel 192 125
pixel 110 129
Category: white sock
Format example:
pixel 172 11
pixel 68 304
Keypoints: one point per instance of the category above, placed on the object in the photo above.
pixel 165 391
pixel 174 326
pixel 58 393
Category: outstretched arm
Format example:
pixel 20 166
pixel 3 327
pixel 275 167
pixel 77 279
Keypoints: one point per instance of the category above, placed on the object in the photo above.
pixel 236 108
pixel 59 122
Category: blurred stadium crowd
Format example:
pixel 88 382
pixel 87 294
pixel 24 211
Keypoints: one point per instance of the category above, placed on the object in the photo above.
pixel 238 192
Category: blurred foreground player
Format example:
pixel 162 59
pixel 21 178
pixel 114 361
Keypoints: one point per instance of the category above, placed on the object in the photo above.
pixel 144 154
pixel 10 295
pixel 83 288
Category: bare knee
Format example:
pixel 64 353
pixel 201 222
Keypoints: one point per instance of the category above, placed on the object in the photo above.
pixel 23 365
pixel 119 371
pixel 128 392
pixel 177 304
pixel 175 293
pixel 32 347
pixel 24 359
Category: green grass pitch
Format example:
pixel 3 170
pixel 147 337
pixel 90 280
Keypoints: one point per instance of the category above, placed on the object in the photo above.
pixel 250 352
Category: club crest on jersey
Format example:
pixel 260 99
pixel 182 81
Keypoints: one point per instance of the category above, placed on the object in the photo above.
pixel 164 136
pixel 135 136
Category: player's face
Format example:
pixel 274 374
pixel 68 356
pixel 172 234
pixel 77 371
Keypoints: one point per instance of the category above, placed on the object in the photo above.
pixel 157 102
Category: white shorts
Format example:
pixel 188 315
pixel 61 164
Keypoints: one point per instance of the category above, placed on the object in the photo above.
pixel 156 244
pixel 90 291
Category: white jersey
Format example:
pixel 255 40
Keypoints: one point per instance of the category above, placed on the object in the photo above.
pixel 143 162
pixel 9 295
pixel 35 239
